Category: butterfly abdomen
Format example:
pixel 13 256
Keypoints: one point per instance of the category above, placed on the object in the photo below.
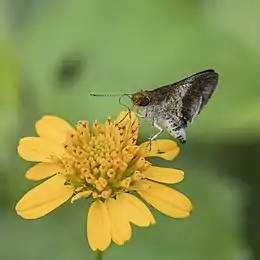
pixel 175 127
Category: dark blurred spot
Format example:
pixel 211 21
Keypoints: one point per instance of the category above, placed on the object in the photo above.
pixel 68 72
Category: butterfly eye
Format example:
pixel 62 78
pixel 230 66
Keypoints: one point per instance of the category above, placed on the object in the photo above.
pixel 144 101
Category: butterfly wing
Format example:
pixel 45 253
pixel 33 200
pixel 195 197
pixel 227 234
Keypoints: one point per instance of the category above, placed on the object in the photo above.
pixel 190 95
pixel 182 101
pixel 199 91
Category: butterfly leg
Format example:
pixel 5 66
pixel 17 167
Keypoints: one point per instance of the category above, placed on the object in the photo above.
pixel 139 114
pixel 155 125
pixel 151 138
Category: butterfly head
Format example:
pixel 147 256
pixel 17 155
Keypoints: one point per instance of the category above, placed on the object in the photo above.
pixel 141 99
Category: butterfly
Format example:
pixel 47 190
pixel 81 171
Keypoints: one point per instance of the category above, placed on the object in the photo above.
pixel 175 105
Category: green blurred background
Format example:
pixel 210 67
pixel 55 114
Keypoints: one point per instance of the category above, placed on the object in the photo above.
pixel 53 53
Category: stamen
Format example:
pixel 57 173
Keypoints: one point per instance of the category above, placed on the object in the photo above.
pixel 116 163
pixel 80 195
pixel 111 173
pixel 96 172
pixel 102 162
pixel 106 193
pixel 103 169
pixel 90 179
pixel 101 184
pixel 128 158
pixel 122 167
pixel 137 176
pixel 78 164
pixel 140 163
pixel 85 172
pixel 145 166
pixel 95 194
pixel 93 164
pixel 114 154
pixel 125 183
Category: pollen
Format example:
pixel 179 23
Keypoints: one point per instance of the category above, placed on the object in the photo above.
pixel 103 161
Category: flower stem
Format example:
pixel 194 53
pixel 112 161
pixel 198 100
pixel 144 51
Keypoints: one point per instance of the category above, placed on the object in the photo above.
pixel 98 255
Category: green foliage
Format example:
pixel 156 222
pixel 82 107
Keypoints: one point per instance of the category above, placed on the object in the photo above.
pixel 9 80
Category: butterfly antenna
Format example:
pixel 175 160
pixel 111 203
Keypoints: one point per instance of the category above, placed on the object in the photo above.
pixel 120 95
pixel 110 95
pixel 104 95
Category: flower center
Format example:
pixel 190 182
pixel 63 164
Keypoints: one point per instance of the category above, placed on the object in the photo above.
pixel 104 161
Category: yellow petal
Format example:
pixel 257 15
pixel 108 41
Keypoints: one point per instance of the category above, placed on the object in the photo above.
pixel 135 210
pixel 165 199
pixel 164 148
pixel 120 227
pixel 44 198
pixel 42 170
pixel 53 128
pixel 37 149
pixel 98 226
pixel 165 175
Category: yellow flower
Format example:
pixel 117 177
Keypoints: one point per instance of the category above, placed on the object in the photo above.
pixel 103 164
